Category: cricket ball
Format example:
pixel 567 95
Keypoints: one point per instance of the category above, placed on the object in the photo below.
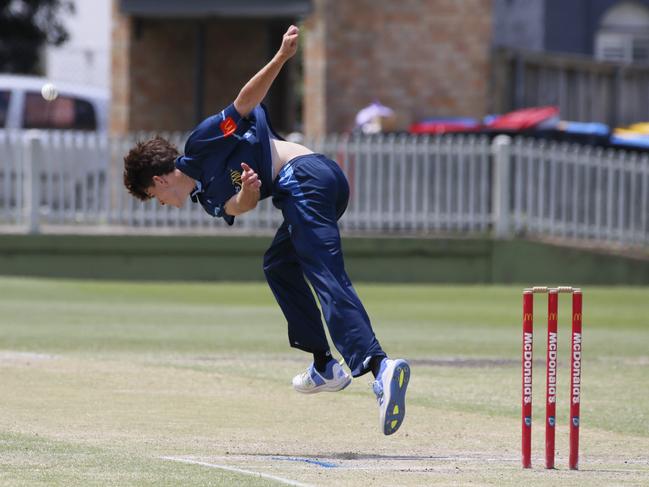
pixel 49 91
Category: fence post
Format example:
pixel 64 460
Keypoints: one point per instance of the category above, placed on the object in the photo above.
pixel 32 182
pixel 500 185
pixel 519 82
pixel 616 115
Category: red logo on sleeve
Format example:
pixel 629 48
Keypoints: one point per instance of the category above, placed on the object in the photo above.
pixel 228 127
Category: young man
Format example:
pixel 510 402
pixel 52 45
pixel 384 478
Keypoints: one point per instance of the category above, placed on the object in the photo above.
pixel 234 159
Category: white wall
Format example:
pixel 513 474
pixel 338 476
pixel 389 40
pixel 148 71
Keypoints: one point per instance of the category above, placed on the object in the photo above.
pixel 85 58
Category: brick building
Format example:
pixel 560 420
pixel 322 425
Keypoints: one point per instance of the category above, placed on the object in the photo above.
pixel 420 57
pixel 176 61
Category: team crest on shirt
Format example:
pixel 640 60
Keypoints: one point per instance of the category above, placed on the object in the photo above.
pixel 228 127
pixel 235 177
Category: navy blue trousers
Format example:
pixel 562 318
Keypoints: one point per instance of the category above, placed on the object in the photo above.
pixel 312 193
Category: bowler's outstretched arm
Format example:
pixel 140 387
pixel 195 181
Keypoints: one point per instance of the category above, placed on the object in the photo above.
pixel 256 89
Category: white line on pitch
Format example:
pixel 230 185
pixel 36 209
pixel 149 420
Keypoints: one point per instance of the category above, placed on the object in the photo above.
pixel 238 470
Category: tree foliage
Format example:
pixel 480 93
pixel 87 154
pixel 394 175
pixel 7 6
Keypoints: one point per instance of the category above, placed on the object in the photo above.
pixel 26 26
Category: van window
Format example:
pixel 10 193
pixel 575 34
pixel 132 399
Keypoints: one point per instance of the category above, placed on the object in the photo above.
pixel 4 107
pixel 64 113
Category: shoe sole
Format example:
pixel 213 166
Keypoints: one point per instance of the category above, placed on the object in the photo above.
pixel 325 388
pixel 395 412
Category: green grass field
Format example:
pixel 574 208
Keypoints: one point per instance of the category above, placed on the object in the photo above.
pixel 119 383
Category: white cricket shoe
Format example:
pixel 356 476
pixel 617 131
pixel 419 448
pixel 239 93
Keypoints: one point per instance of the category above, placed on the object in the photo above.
pixel 311 381
pixel 390 389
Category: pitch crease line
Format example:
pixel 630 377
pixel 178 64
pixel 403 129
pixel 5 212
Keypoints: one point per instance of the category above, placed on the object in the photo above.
pixel 237 470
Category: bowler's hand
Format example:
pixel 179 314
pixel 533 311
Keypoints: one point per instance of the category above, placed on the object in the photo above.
pixel 289 43
pixel 250 181
pixel 248 197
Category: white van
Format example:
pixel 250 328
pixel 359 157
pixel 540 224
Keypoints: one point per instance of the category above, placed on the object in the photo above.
pixel 77 107
pixel 76 110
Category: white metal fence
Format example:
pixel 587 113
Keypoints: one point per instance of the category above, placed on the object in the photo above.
pixel 586 193
pixel 399 185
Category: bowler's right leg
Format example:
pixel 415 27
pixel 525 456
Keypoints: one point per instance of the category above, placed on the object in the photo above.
pixel 286 280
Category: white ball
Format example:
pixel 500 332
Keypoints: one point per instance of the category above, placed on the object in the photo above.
pixel 49 91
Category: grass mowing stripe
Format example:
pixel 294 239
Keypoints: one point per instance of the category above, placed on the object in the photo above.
pixel 37 460
pixel 238 470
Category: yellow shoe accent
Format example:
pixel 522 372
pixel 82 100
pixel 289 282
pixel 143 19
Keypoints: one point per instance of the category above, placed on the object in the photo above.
pixel 393 424
pixel 396 409
pixel 401 378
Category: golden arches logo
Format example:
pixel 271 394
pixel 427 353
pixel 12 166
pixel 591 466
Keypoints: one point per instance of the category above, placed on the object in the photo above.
pixel 576 317
pixel 528 316
pixel 552 316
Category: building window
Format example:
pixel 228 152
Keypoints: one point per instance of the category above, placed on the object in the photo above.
pixel 64 113
pixel 623 34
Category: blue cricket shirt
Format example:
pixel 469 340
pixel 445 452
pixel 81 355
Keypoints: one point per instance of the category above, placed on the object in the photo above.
pixel 215 150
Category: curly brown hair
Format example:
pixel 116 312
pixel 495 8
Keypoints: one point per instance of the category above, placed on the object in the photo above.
pixel 154 157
